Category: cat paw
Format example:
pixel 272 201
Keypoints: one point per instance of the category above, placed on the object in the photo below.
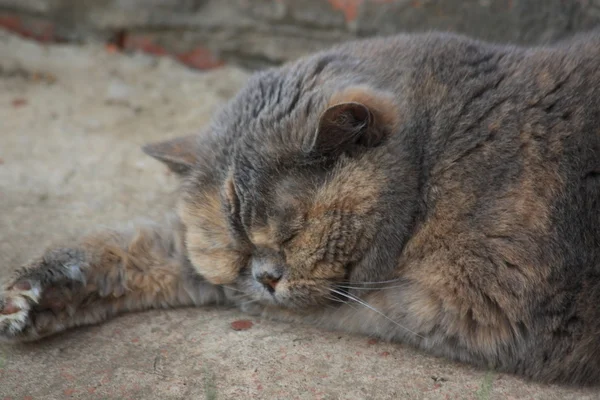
pixel 16 307
pixel 33 303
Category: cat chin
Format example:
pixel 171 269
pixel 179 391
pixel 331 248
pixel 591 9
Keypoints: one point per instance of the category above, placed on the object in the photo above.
pixel 254 293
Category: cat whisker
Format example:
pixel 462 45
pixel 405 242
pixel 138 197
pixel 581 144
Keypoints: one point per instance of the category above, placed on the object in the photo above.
pixel 234 289
pixel 372 283
pixel 370 288
pixel 327 295
pixel 336 299
pixel 346 302
pixel 370 307
pixel 242 295
pixel 243 303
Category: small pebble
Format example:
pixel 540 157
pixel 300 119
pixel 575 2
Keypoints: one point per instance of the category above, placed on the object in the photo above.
pixel 241 325
pixel 19 102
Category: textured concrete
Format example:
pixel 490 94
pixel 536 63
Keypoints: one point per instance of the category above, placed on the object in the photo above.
pixel 71 120
pixel 259 32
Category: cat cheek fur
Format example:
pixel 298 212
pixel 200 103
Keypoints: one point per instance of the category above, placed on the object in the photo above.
pixel 207 237
pixel 208 240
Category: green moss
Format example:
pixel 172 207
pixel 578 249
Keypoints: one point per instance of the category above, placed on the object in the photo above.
pixel 210 387
pixel 486 386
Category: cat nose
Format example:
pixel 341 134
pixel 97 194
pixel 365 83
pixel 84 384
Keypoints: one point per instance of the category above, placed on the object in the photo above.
pixel 267 271
pixel 269 279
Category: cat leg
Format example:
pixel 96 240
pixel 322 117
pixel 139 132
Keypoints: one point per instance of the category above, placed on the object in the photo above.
pixel 103 275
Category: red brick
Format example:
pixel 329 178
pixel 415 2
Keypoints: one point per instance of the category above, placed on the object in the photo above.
pixel 348 7
pixel 40 30
pixel 200 58
pixel 145 44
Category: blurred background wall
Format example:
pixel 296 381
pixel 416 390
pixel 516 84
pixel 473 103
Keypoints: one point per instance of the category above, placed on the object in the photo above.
pixel 255 33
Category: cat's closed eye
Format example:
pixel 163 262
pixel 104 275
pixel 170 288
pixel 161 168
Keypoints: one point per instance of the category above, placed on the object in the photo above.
pixel 289 228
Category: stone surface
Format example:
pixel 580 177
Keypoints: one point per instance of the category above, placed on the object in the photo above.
pixel 261 32
pixel 72 119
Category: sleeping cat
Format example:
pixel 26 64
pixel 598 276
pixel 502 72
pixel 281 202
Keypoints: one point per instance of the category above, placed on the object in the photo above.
pixel 428 189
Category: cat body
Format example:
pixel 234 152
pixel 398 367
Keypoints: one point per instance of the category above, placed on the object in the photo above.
pixel 427 189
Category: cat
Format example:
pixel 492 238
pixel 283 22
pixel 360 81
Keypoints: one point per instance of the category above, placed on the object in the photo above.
pixel 430 189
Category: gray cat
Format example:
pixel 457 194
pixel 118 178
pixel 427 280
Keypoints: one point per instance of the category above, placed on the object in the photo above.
pixel 428 189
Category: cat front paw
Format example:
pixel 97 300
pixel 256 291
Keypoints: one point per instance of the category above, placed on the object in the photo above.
pixel 41 296
pixel 16 305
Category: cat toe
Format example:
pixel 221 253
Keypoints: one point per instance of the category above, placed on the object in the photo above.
pixel 21 285
pixel 9 308
pixel 14 317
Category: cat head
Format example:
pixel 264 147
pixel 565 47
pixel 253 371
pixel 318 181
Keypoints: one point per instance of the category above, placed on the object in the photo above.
pixel 284 194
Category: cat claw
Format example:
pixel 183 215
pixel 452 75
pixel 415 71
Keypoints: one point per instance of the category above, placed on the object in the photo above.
pixel 28 289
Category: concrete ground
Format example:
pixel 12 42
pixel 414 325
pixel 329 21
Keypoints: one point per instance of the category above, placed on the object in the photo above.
pixel 71 122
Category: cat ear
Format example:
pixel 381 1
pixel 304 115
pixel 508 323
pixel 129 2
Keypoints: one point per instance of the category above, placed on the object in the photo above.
pixel 179 154
pixel 357 116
